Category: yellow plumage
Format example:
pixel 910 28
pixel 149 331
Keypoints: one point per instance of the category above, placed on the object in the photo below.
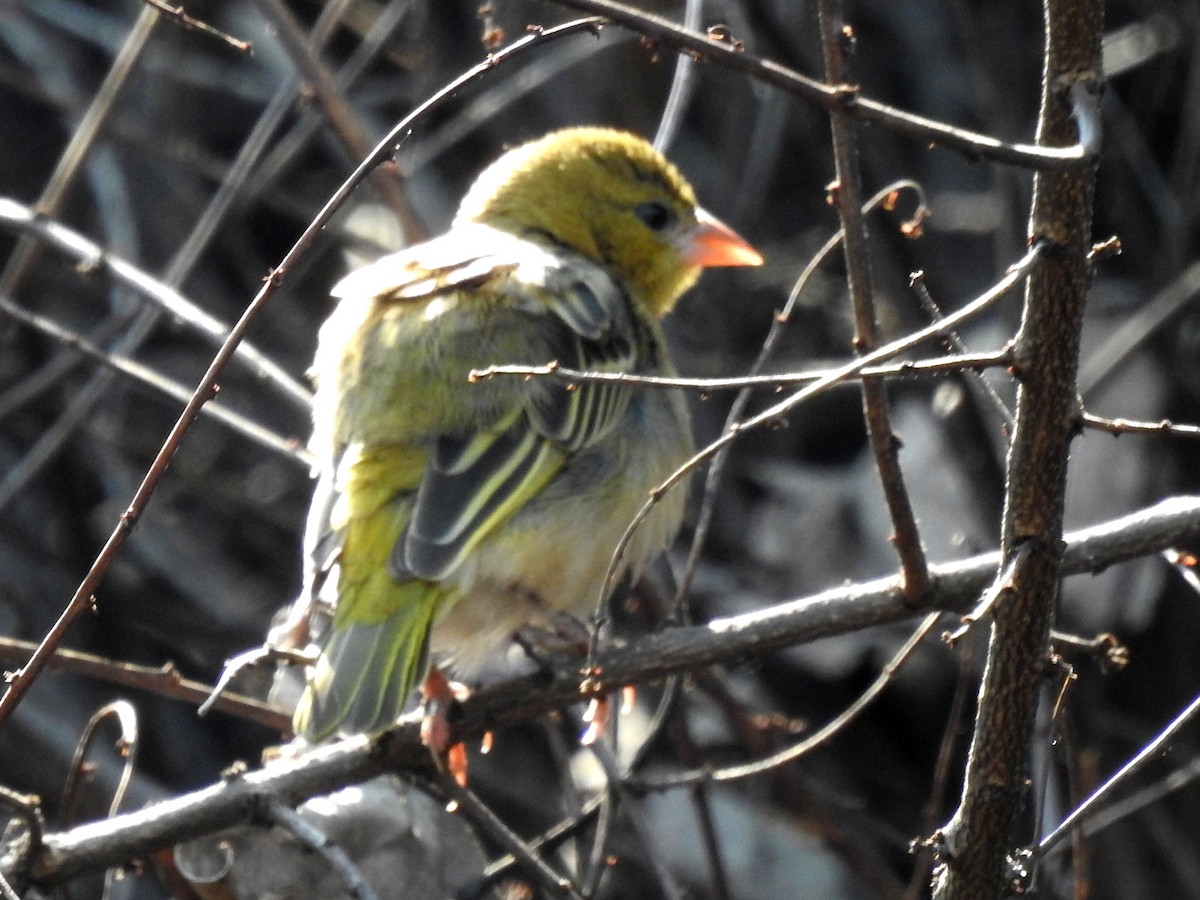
pixel 449 514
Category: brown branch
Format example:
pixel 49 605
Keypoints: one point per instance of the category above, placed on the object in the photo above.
pixel 841 610
pixel 163 681
pixel 847 196
pixel 177 14
pixel 342 121
pixel 929 131
pixel 980 835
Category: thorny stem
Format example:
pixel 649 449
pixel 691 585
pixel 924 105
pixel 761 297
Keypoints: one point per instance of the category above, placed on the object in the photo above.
pixel 979 836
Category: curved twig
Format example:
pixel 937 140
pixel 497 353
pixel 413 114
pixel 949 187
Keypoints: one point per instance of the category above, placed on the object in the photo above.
pixel 929 131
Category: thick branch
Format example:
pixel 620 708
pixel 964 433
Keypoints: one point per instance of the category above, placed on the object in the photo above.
pixel 980 835
pixel 954 586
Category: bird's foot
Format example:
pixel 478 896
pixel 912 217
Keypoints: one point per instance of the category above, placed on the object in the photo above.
pixel 439 694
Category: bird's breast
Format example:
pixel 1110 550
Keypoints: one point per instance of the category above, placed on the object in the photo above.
pixel 552 555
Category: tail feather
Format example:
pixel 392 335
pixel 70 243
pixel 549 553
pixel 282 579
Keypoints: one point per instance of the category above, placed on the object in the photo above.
pixel 362 682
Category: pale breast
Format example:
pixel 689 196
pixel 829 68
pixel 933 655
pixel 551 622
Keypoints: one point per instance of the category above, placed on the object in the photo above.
pixel 553 554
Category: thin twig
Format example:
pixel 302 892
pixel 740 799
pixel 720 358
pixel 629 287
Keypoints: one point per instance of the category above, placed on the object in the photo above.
pixel 937 365
pixel 123 713
pixel 953 343
pixel 70 163
pixel 927 131
pixel 636 814
pixel 1092 804
pixel 1106 359
pixel 1148 796
pixel 683 84
pixel 547 840
pixel 933 810
pixel 28 249
pixel 737 409
pixel 699 795
pixel 496 830
pixel 344 124
pixel 1119 427
pixel 846 193
pixel 19 848
pixel 295 139
pixel 91 256
pixel 1002 583
pixel 818 738
pixel 290 448
pixel 162 681
pixel 177 15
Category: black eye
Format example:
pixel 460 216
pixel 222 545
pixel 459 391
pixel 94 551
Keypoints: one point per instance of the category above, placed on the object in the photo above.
pixel 655 215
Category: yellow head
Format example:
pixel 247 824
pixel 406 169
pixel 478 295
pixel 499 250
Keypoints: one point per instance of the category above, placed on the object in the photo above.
pixel 613 198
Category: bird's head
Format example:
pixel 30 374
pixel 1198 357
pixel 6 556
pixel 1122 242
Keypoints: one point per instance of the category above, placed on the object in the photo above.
pixel 613 198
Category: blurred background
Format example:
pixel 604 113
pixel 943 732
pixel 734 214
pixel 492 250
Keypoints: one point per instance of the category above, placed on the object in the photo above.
pixel 201 165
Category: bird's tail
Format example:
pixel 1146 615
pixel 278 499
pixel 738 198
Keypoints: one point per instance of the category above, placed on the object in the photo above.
pixel 362 681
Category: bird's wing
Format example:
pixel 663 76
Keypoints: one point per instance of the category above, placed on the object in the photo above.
pixel 483 297
pixel 568 310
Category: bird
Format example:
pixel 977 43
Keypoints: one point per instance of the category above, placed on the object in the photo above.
pixel 447 515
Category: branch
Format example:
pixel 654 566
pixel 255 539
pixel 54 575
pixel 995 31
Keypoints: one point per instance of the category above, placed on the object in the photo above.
pixel 953 586
pixel 846 193
pixel 979 836
pixel 1118 427
pixel 937 365
pixel 177 14
pixel 1015 275
pixel 163 681
pixel 91 257
pixel 973 145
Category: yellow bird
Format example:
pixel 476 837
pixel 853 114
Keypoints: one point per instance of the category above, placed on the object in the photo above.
pixel 447 515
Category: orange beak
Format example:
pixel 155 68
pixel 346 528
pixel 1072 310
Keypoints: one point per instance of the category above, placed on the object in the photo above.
pixel 713 243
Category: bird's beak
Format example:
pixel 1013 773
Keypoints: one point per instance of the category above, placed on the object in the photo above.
pixel 713 243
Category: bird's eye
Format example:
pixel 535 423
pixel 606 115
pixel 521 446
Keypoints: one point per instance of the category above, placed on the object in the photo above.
pixel 655 215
